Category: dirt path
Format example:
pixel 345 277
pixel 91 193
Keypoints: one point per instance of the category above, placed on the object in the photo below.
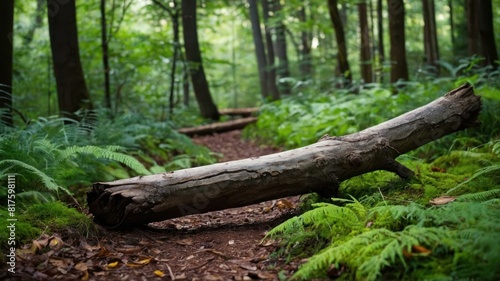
pixel 222 245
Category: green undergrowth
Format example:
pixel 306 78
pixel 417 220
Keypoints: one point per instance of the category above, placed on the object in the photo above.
pixel 51 217
pixel 393 232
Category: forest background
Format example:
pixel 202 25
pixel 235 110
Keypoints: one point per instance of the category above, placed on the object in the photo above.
pixel 313 67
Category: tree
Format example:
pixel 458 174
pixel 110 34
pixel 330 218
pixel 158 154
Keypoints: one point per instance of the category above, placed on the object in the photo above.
pixel 341 42
pixel 380 43
pixel 431 46
pixel 72 90
pixel 486 32
pixel 105 57
pixel 271 76
pixel 208 109
pixel 365 48
pixel 6 59
pixel 399 67
pixel 305 40
pixel 280 46
pixel 319 168
pixel 472 27
pixel 259 49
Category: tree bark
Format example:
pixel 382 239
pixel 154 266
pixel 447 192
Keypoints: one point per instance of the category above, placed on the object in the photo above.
pixel 365 48
pixel 381 48
pixel 471 10
pixel 271 76
pixel 399 67
pixel 105 55
pixel 208 109
pixel 72 92
pixel 305 62
pixel 218 127
pixel 6 60
pixel 487 33
pixel 260 53
pixel 431 46
pixel 341 42
pixel 281 48
pixel 319 167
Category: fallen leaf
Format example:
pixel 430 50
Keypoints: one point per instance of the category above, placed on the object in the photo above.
pixel 420 249
pixel 139 263
pixel 81 266
pixel 185 242
pixel 129 250
pixel 231 242
pixel 437 169
pixel 442 200
pixel 56 243
pixel 112 265
pixel 159 273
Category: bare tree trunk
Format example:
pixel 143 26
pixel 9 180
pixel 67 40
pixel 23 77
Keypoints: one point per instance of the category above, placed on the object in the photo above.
pixel 319 167
pixel 105 57
pixel 431 46
pixel 207 107
pixel 72 90
pixel 365 48
pixel 281 49
pixel 487 33
pixel 399 67
pixel 271 65
pixel 471 9
pixel 380 33
pixel 305 50
pixel 6 60
pixel 259 49
pixel 341 42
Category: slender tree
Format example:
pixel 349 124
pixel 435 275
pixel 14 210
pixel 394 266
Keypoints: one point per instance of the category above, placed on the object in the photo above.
pixel 105 57
pixel 365 48
pixel 271 76
pixel 259 48
pixel 72 90
pixel 208 109
pixel 399 67
pixel 280 47
pixel 6 58
pixel 471 10
pixel 431 46
pixel 305 43
pixel 341 42
pixel 487 33
pixel 380 41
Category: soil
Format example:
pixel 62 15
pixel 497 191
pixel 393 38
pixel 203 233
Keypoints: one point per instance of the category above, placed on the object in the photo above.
pixel 222 245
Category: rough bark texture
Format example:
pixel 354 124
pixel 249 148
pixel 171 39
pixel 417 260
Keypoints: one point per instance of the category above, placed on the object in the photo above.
pixel 487 32
pixel 245 111
pixel 260 53
pixel 319 167
pixel 208 109
pixel 431 45
pixel 72 92
pixel 271 75
pixel 365 48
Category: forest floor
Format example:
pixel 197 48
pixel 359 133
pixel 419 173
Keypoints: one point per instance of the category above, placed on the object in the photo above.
pixel 222 245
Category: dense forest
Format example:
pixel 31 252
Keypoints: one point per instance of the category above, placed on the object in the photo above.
pixel 96 91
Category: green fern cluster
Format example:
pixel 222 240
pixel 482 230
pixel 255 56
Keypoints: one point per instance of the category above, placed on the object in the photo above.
pixel 460 239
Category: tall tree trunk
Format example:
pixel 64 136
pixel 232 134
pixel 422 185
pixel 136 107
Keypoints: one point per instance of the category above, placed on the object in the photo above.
pixel 72 90
pixel 193 56
pixel 341 42
pixel 175 25
pixel 380 43
pixel 365 48
pixel 259 49
pixel 471 10
pixel 399 67
pixel 305 63
pixel 6 59
pixel 271 68
pixel 487 33
pixel 281 48
pixel 105 56
pixel 431 46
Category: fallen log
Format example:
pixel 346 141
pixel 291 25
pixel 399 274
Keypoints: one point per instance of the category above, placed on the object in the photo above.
pixel 218 127
pixel 319 167
pixel 244 112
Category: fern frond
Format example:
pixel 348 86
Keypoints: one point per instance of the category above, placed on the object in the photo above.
pixel 108 152
pixel 479 196
pixel 478 173
pixel 47 181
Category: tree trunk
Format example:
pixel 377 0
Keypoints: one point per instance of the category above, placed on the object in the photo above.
pixel 380 33
pixel 6 59
pixel 471 10
pixel 218 127
pixel 399 67
pixel 341 42
pixel 487 33
pixel 193 56
pixel 365 48
pixel 319 167
pixel 305 63
pixel 271 76
pixel 281 49
pixel 72 92
pixel 105 56
pixel 431 46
